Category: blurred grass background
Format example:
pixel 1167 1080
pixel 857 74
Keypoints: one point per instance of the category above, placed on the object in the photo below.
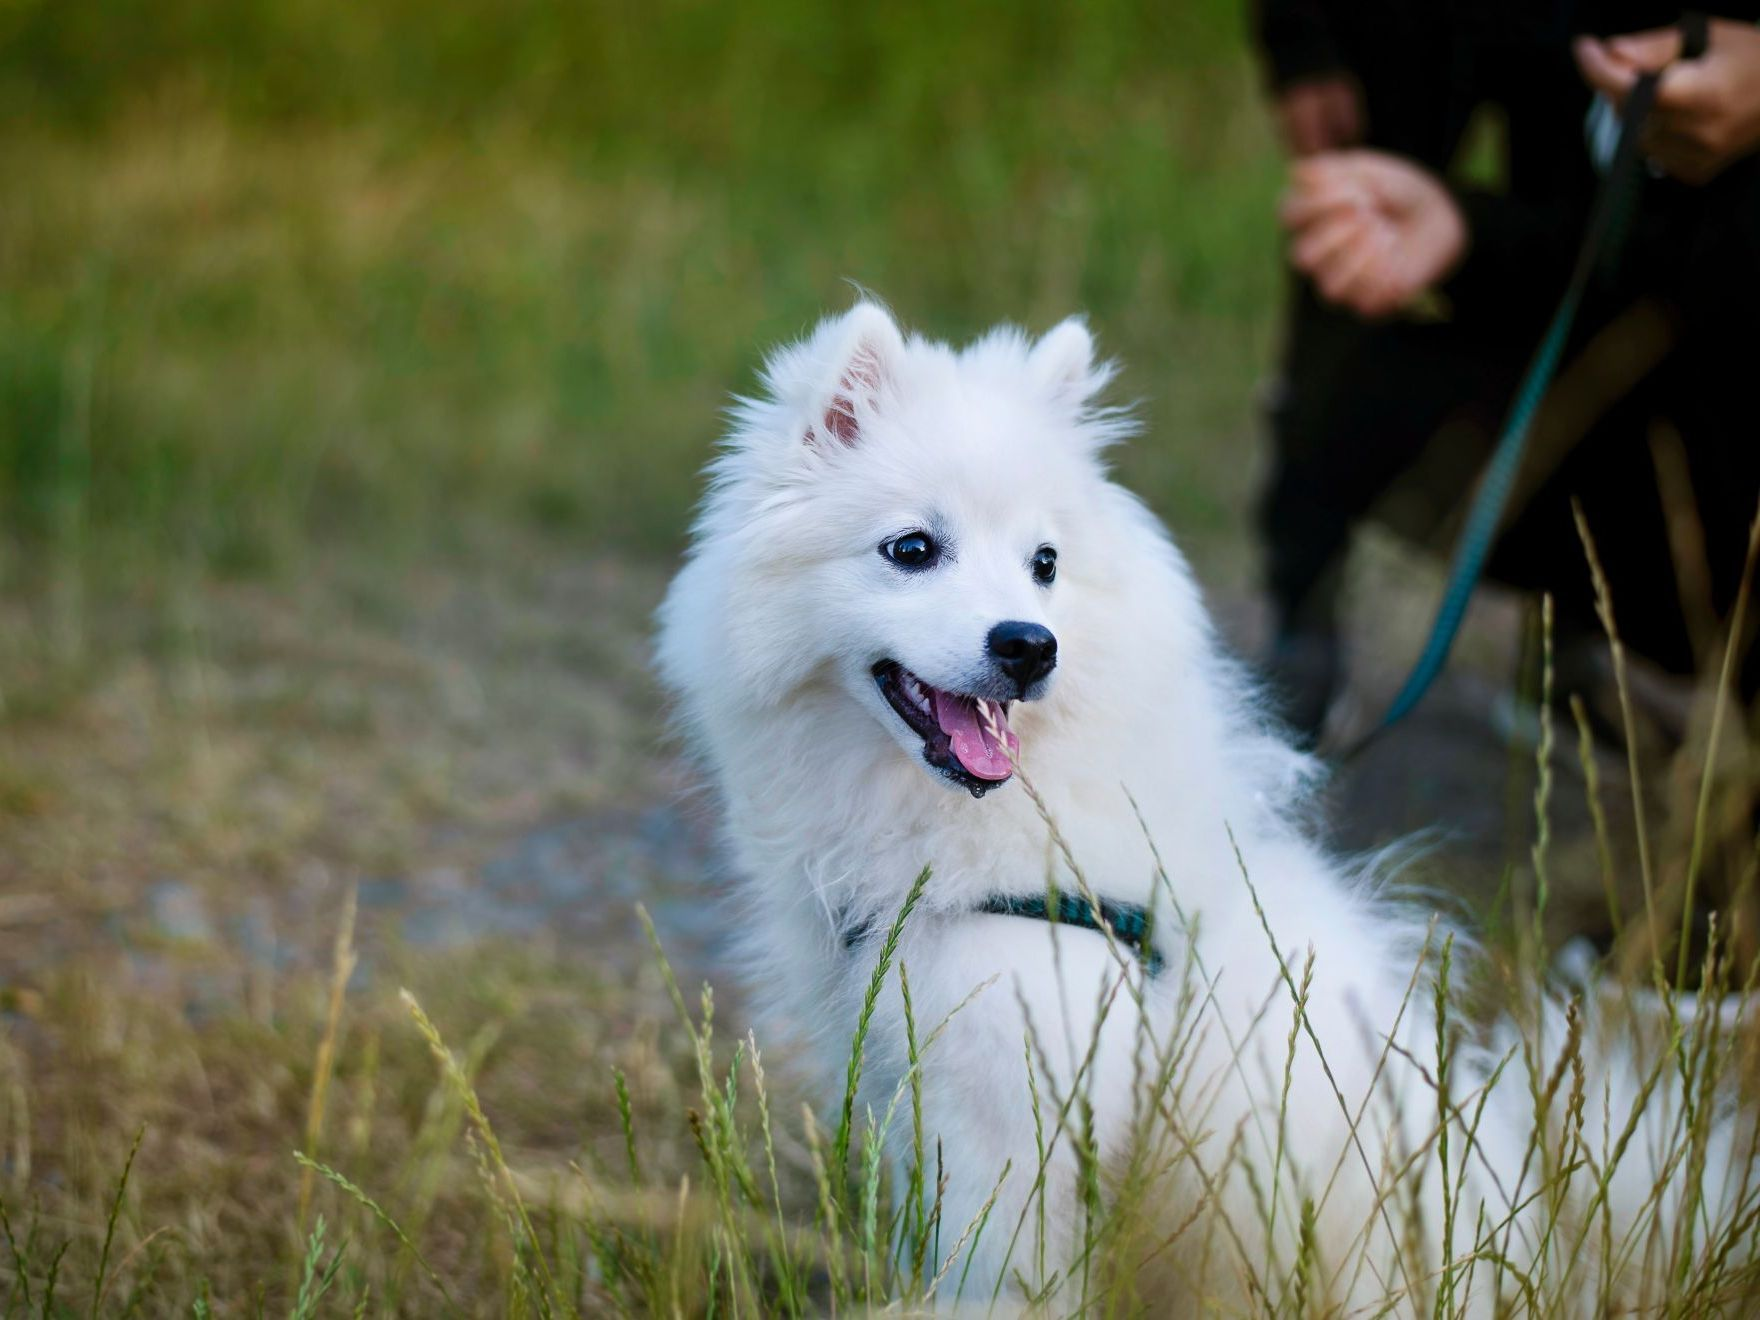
pixel 276 272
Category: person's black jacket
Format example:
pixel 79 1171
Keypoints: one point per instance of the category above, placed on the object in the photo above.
pixel 1425 65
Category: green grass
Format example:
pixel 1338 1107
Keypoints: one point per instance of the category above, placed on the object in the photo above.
pixel 288 273
pixel 501 1141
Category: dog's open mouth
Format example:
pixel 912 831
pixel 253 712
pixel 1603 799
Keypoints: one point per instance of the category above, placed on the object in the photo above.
pixel 965 738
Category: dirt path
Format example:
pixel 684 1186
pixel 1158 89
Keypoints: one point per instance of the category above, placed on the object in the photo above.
pixel 222 800
pixel 480 755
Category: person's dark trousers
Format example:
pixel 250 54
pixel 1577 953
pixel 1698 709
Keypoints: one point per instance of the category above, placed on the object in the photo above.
pixel 1422 67
pixel 1359 405
pixel 1400 54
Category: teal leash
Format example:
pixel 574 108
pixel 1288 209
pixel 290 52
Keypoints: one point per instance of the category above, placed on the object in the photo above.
pixel 1603 242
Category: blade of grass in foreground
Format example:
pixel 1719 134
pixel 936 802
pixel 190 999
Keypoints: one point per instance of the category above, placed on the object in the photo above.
pixel 360 1197
pixel 853 1079
pixel 494 1160
pixel 110 1224
pixel 342 968
pixel 1720 706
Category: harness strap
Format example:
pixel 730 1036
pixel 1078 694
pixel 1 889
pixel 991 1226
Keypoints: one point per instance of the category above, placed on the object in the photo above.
pixel 1129 923
pixel 1603 242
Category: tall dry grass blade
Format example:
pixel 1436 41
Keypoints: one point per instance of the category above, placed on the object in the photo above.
pixel 1119 953
pixel 98 1285
pixel 1079 1079
pixel 50 1310
pixel 316 1278
pixel 869 1204
pixel 342 965
pixel 1289 1068
pixel 1604 610
pixel 1597 815
pixel 1445 1285
pixel 828 1215
pixel 1356 1141
pixel 971 1232
pixel 858 1044
pixel 20 1266
pixel 360 1197
pixel 1043 1154
pixel 491 1144
pixel 1720 706
pixel 626 1121
pixel 915 1237
pixel 1542 789
pixel 783 1257
pixel 666 973
pixel 1688 554
pixel 138 1295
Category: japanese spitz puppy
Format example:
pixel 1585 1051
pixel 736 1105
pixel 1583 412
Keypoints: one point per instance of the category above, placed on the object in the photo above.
pixel 920 627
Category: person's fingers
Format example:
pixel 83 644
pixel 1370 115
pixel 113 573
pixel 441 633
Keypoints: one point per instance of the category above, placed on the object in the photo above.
pixel 1393 183
pixel 1317 244
pixel 1301 211
pixel 1416 264
pixel 1419 265
pixel 1687 90
pixel 1649 51
pixel 1352 267
pixel 1382 298
pixel 1328 266
pixel 1302 208
pixel 1370 292
pixel 1317 190
pixel 1372 288
pixel 1364 180
pixel 1611 76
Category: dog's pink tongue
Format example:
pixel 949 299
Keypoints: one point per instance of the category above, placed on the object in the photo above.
pixel 977 749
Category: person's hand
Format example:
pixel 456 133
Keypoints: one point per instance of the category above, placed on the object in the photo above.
pixel 1373 231
pixel 1320 113
pixel 1707 112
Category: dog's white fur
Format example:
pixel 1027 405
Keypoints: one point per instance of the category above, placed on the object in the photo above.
pixel 1166 788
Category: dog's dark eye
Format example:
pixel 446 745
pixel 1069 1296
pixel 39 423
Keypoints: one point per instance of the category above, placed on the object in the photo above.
pixel 1045 565
pixel 912 550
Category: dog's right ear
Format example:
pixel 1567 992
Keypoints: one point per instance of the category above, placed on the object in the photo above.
pixel 1063 361
pixel 860 351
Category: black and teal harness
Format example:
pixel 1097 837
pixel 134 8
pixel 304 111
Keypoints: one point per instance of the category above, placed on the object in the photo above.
pixel 1128 923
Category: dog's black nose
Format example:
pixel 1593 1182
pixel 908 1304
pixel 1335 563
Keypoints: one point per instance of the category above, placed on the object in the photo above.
pixel 1026 652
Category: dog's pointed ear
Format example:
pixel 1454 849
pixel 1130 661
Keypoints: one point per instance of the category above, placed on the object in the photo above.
pixel 863 348
pixel 1063 363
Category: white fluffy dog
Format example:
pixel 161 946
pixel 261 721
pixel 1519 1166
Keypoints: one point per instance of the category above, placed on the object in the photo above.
pixel 920 627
